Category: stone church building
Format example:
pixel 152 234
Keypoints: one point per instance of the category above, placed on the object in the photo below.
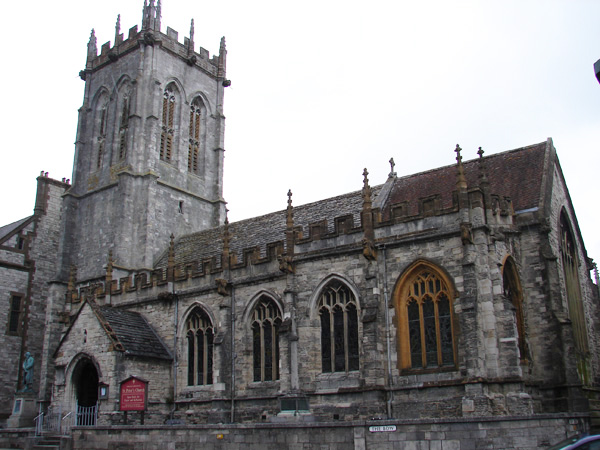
pixel 456 297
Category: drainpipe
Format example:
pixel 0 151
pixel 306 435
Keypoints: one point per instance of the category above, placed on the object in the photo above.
pixel 175 360
pixel 390 393
pixel 233 355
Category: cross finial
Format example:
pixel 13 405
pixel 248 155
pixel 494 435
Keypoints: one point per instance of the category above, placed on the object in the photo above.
pixel 366 189
pixel 461 181
pixel 482 170
pixel 226 236
pixel 392 166
pixel 289 211
pixel 458 157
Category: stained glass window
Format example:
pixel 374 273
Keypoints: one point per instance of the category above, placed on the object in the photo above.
pixel 426 337
pixel 339 329
pixel 512 291
pixel 266 320
pixel 570 265
pixel 200 337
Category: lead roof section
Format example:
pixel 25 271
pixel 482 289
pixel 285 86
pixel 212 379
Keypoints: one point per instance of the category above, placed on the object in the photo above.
pixel 516 174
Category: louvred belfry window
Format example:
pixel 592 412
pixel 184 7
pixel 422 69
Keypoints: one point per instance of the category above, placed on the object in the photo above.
pixel 200 340
pixel 168 124
pixel 101 137
pixel 266 319
pixel 123 127
pixel 425 320
pixel 195 135
pixel 339 328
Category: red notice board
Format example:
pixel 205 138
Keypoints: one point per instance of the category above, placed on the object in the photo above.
pixel 134 394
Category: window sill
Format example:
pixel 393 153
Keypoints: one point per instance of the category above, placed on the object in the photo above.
pixel 264 385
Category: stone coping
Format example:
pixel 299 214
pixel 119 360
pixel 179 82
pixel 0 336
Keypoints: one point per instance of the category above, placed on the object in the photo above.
pixel 338 424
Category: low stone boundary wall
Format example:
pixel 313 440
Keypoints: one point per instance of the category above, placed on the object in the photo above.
pixel 524 433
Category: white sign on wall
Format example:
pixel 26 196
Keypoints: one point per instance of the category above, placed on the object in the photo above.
pixel 382 428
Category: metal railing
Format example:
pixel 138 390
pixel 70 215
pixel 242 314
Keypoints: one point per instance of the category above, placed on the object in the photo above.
pixel 52 421
pixel 39 424
pixel 67 423
pixel 87 415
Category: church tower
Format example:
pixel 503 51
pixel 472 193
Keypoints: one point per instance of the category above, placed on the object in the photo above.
pixel 149 149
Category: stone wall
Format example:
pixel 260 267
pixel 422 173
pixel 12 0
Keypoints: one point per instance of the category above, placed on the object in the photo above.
pixel 517 433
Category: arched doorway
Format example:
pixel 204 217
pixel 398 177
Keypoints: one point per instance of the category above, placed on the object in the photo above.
pixel 85 383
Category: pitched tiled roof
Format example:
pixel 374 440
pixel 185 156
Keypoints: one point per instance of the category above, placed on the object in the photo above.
pixel 134 333
pixel 7 229
pixel 516 173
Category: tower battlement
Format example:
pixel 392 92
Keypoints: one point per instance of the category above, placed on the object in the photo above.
pixel 151 35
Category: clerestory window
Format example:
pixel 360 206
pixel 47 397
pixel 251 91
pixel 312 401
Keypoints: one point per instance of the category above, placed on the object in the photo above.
pixel 423 302
pixel 200 335
pixel 339 328
pixel 266 319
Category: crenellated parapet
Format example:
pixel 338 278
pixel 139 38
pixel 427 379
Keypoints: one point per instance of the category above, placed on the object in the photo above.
pixel 151 35
pixel 274 243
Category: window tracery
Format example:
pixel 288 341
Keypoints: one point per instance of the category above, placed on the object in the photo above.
pixel 200 340
pixel 425 320
pixel 124 126
pixel 168 124
pixel 195 133
pixel 266 320
pixel 513 291
pixel 339 328
pixel 101 138
pixel 570 266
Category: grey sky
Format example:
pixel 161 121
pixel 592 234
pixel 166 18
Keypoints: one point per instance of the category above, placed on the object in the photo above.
pixel 322 89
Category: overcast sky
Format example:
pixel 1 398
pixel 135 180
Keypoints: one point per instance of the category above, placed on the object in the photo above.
pixel 322 89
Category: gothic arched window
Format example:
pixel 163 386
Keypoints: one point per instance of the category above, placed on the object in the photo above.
pixel 123 126
pixel 196 117
pixel 570 266
pixel 513 291
pixel 423 302
pixel 200 335
pixel 339 328
pixel 266 319
pixel 101 136
pixel 167 135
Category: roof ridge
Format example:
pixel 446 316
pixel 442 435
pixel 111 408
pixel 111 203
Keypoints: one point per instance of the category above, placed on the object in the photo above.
pixel 471 161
